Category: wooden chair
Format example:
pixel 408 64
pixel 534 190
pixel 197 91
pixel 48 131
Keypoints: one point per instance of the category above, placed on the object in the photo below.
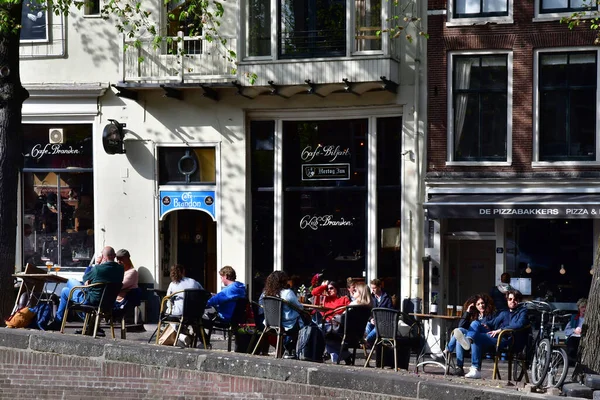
pixel 104 309
pixel 512 353
pixel 194 303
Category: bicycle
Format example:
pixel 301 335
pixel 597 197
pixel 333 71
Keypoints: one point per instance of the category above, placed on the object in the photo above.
pixel 550 364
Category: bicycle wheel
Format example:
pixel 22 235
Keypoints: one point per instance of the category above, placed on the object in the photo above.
pixel 558 368
pixel 540 363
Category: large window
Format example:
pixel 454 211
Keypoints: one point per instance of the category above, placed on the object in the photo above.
pixel 480 8
pixel 567 106
pixel 309 182
pixel 562 6
pixel 57 195
pixel 313 28
pixel 479 108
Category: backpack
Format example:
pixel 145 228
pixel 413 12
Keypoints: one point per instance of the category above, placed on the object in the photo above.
pixel 311 344
pixel 43 315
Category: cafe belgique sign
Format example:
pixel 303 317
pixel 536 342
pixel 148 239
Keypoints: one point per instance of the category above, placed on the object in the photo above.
pixel 329 166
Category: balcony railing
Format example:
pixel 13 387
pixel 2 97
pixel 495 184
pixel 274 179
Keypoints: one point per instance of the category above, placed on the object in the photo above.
pixel 202 60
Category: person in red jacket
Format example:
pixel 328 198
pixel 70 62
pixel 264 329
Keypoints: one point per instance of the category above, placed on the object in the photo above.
pixel 331 290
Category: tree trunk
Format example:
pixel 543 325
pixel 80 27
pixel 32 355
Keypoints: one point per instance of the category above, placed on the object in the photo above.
pixel 12 96
pixel 589 350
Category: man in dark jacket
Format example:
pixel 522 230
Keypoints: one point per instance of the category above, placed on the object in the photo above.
pixel 481 337
pixel 379 298
pixel 107 272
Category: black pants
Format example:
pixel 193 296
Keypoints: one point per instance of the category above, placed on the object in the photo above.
pixel 572 346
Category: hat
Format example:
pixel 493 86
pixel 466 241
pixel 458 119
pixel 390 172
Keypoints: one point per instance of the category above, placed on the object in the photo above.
pixel 123 253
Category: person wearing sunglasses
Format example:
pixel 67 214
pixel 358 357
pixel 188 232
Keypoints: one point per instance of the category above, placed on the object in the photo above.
pixel 333 301
pixel 483 336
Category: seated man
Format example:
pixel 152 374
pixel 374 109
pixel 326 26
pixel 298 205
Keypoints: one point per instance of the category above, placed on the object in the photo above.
pixel 481 337
pixel 106 272
pixel 130 278
pixel 379 298
pixel 224 301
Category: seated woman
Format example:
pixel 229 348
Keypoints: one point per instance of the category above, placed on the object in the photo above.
pixel 276 286
pixel 573 330
pixel 178 283
pixel 480 308
pixel 362 297
pixel 333 301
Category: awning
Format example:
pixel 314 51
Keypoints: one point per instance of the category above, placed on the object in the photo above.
pixel 552 206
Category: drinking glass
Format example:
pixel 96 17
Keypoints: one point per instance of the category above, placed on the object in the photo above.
pixel 49 265
pixel 322 301
pixel 459 311
pixel 56 268
pixel 449 310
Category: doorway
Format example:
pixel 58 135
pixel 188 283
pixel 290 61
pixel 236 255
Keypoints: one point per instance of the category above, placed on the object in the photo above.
pixel 472 268
pixel 189 239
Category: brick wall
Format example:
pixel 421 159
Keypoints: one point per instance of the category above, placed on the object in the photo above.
pixel 522 38
pixel 31 375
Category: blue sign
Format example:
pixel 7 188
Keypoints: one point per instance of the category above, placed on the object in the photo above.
pixel 187 200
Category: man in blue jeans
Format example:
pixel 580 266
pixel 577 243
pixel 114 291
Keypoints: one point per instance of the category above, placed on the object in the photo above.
pixel 481 337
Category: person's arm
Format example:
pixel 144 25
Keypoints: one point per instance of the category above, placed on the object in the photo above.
pixel 219 298
pixel 386 301
pixel 318 291
pixel 519 322
pixel 130 280
pixel 570 327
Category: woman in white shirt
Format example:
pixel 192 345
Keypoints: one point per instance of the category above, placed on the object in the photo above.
pixel 573 330
pixel 178 283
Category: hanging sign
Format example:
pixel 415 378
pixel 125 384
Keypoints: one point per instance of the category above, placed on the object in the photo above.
pixel 325 172
pixel 187 200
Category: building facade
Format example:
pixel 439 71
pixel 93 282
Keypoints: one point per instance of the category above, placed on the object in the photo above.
pixel 513 150
pixel 314 167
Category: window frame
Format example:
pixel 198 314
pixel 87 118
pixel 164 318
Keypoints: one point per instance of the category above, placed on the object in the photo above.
pixel 482 18
pixel 351 45
pixel 450 161
pixel 47 15
pixel 536 162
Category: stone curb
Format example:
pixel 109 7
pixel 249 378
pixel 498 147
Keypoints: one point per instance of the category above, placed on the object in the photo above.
pixel 376 381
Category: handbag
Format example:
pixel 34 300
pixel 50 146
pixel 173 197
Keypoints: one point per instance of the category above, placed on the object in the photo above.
pixel 22 318
pixel 335 327
pixel 167 338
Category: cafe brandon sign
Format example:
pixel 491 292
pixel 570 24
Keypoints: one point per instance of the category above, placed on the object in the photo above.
pixel 187 200
pixel 549 206
pixel 321 163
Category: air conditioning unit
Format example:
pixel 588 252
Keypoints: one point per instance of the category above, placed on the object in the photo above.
pixel 56 135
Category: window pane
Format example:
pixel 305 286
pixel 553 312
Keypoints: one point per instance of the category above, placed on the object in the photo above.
pixel 63 146
pixel 468 6
pixel 494 72
pixel 389 139
pixel 58 218
pixel 262 239
pixel 324 231
pixel 262 156
pixel 312 28
pixel 583 123
pixel 259 28
pixel 495 5
pixel 553 117
pixel 368 22
pixel 582 69
pixel 493 126
pixel 186 165
pixel 466 126
pixel 553 70
pixel 551 4
pixel 325 153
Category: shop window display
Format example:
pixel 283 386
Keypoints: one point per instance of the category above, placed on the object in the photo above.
pixel 57 197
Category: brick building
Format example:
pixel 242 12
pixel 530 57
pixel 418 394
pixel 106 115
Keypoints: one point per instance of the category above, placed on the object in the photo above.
pixel 513 150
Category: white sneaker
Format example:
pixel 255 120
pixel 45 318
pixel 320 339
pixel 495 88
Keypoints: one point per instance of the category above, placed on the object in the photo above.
pixel 461 339
pixel 473 373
